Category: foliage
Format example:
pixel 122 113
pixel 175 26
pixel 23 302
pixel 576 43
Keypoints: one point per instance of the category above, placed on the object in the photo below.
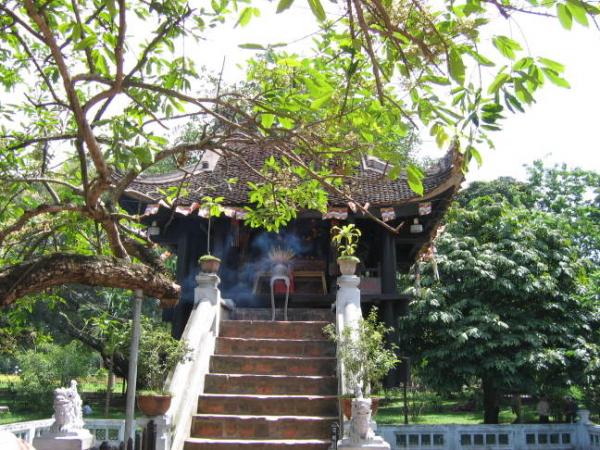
pixel 92 107
pixel 515 307
pixel 345 238
pixel 363 353
pixel 208 258
pixel 159 353
pixel 51 366
pixel 213 208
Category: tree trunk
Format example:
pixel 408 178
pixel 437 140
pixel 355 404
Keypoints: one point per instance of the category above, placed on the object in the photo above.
pixel 491 401
pixel 109 386
pixel 63 268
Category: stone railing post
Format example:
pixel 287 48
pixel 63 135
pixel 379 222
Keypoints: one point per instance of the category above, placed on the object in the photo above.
pixel 208 290
pixel 582 433
pixel 348 314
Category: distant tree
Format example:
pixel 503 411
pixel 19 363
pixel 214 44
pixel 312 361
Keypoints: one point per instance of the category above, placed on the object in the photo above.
pixel 48 366
pixel 514 309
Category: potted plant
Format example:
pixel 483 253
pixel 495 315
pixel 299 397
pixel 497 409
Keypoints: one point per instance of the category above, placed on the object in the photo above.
pixel 210 263
pixel 159 354
pixel 365 357
pixel 345 238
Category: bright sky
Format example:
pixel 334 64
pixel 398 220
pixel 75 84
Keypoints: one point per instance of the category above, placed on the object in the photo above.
pixel 561 127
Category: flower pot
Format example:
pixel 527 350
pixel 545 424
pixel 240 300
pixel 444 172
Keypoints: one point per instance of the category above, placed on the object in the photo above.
pixel 347 265
pixel 153 404
pixel 347 406
pixel 210 265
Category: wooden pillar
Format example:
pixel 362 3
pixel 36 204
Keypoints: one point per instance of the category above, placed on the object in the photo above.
pixel 388 287
pixel 185 277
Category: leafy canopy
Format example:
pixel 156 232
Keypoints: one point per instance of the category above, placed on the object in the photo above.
pixel 89 106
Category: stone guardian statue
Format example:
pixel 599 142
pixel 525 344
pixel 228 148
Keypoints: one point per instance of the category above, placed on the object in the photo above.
pixel 67 432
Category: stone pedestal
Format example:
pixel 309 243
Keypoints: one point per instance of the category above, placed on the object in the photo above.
pixel 377 443
pixel 83 440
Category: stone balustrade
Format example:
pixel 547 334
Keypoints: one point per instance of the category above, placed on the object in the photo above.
pixel 562 436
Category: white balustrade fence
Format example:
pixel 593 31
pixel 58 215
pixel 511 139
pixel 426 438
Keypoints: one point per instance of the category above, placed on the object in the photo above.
pixel 577 436
pixel 594 436
pixel 28 430
pixel 110 430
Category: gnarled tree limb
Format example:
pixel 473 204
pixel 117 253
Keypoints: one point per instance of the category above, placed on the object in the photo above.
pixel 64 268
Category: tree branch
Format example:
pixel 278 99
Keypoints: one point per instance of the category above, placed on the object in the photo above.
pixel 63 268
pixel 27 215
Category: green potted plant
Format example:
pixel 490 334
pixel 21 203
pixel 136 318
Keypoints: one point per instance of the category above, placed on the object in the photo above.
pixel 159 354
pixel 365 357
pixel 345 238
pixel 210 263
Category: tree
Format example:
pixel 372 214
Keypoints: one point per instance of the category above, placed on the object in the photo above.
pixel 88 95
pixel 50 366
pixel 515 308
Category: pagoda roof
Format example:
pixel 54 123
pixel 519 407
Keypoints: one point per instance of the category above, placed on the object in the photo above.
pixel 370 185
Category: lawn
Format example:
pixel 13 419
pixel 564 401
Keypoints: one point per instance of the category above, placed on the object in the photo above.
pixel 391 412
pixel 91 390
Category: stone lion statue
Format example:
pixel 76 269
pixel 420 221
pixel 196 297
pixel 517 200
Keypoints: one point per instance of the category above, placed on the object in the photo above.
pixel 360 426
pixel 67 410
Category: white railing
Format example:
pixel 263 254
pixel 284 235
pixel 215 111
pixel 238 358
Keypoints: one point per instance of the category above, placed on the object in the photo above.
pixel 594 436
pixel 28 430
pixel 187 381
pixel 578 436
pixel 110 430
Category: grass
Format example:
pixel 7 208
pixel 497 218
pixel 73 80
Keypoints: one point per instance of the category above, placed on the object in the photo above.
pixel 437 412
pixel 21 411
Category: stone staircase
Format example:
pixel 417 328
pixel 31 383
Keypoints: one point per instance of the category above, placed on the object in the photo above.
pixel 271 385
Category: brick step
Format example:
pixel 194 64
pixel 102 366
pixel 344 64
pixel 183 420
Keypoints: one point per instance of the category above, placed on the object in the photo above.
pixel 261 427
pixel 285 405
pixel 272 330
pixel 272 365
pixel 273 347
pixel 294 314
pixel 270 384
pixel 244 444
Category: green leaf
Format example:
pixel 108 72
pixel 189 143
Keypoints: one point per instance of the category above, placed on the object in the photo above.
pixel 564 16
pixel 556 66
pixel 555 78
pixel 266 120
pixel 506 46
pixel 415 177
pixel 456 66
pixel 251 46
pixel 318 103
pixel 88 42
pixel 283 5
pixel 578 11
pixel 500 79
pixel 443 81
pixel 245 16
pixel 317 8
pixel 473 152
pixel 479 57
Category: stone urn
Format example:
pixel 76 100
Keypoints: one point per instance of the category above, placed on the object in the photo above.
pixel 347 264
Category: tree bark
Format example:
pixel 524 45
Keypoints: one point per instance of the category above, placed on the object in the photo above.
pixel 491 401
pixel 63 268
